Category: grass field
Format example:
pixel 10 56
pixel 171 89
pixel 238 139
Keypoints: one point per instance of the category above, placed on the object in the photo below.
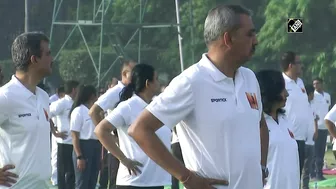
pixel 329 157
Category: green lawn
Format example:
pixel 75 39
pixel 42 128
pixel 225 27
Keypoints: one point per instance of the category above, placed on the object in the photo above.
pixel 329 158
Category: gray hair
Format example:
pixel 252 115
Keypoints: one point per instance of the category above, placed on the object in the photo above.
pixel 221 19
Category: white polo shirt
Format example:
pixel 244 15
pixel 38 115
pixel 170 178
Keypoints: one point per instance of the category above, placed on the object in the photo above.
pixel 220 129
pixel 60 109
pixel 25 134
pixel 110 98
pixel 331 116
pixel 152 174
pixel 283 156
pixel 322 102
pixel 311 128
pixel 297 107
pixel 81 122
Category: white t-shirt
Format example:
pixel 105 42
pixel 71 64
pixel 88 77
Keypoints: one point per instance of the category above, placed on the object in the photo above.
pixel 60 109
pixel 110 98
pixel 81 122
pixel 220 129
pixel 331 116
pixel 53 98
pixel 283 156
pixel 297 107
pixel 152 174
pixel 321 104
pixel 25 134
pixel 311 128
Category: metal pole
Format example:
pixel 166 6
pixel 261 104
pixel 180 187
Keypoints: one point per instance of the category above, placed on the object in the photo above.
pixel 101 41
pixel 140 33
pixel 179 33
pixel 26 16
pixel 192 31
pixel 77 13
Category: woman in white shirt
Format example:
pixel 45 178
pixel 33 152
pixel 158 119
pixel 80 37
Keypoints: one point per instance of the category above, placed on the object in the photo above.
pixel 283 157
pixel 136 169
pixel 86 155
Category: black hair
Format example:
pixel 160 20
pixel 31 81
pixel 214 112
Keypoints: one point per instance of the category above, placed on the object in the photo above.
pixel 70 85
pixel 27 45
pixel 318 79
pixel 60 89
pixel 286 59
pixel 43 87
pixel 85 92
pixel 140 74
pixel 309 89
pixel 272 85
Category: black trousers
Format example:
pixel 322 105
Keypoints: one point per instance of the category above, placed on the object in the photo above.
pixel 65 168
pixel 177 153
pixel 320 146
pixel 113 166
pixel 103 175
pixel 301 147
pixel 136 187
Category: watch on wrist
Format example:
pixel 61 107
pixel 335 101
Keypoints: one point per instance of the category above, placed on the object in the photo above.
pixel 80 157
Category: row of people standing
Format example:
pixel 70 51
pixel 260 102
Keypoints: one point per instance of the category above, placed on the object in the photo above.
pixel 72 119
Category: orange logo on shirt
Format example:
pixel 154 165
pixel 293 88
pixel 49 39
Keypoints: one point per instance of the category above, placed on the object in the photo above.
pixel 290 133
pixel 46 114
pixel 252 99
pixel 303 90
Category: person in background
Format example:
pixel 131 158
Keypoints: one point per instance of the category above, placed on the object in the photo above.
pixel 283 157
pixel 137 170
pixel 24 116
pixel 105 104
pixel 60 93
pixel 224 134
pixel 330 121
pixel 86 153
pixel 312 136
pixel 60 111
pixel 297 105
pixel 321 105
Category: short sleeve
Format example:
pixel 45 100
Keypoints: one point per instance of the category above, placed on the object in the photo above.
pixel 119 116
pixel 3 109
pixel 76 120
pixel 329 100
pixel 175 103
pixel 331 115
pixel 56 108
pixel 109 99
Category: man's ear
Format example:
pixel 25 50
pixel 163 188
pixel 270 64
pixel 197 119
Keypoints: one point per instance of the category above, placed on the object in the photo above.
pixel 227 38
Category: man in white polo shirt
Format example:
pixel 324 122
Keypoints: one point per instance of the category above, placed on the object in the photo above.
pixel 60 110
pixel 219 105
pixel 24 116
pixel 106 103
pixel 297 104
pixel 321 104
